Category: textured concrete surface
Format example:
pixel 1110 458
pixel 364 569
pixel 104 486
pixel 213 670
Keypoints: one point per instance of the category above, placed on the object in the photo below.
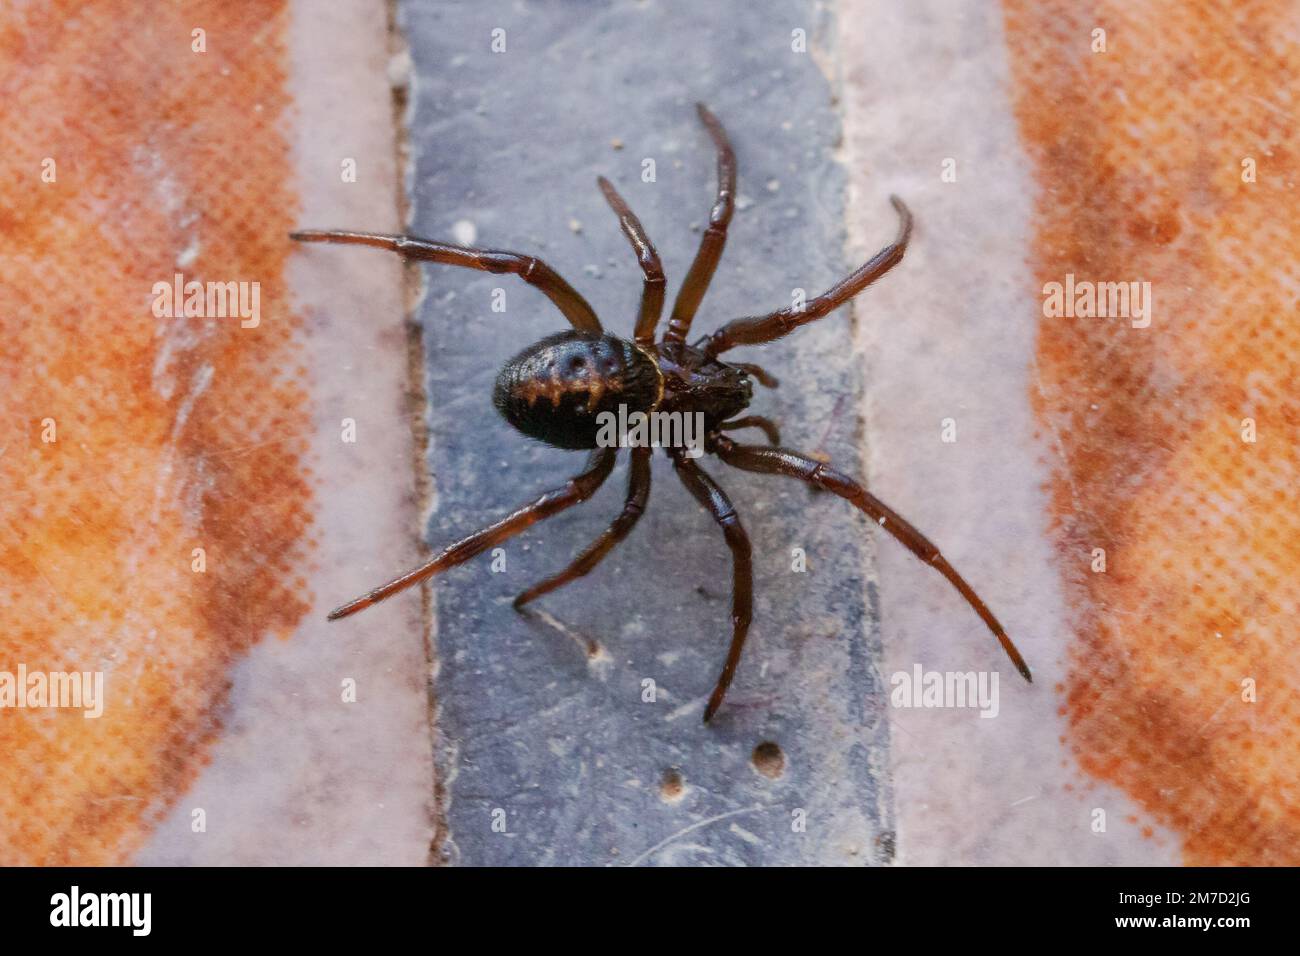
pixel 542 718
pixel 969 790
pixel 300 776
pixel 195 508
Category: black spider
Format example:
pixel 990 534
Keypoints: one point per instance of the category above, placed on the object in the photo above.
pixel 561 389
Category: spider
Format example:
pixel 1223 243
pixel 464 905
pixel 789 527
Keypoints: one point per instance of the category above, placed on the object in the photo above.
pixel 556 390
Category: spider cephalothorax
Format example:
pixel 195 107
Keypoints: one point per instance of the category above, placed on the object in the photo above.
pixel 559 389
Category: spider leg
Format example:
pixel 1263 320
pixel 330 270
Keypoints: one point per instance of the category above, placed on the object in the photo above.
pixel 782 461
pixel 766 379
pixel 638 493
pixel 764 328
pixel 579 488
pixel 754 421
pixel 714 238
pixel 652 292
pixel 533 271
pixel 715 501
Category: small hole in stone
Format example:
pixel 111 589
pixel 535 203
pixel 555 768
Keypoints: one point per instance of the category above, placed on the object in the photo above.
pixel 768 759
pixel 577 362
pixel 671 787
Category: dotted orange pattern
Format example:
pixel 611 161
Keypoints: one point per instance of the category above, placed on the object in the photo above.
pixel 172 434
pixel 1138 157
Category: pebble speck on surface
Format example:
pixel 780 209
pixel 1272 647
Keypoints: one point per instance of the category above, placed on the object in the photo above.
pixel 464 232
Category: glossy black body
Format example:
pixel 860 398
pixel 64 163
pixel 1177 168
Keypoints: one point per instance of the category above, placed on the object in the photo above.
pixel 556 389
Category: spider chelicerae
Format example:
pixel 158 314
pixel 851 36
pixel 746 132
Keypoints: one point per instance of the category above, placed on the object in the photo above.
pixel 560 389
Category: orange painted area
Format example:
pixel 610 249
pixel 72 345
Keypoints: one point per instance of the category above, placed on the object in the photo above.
pixel 1138 154
pixel 171 434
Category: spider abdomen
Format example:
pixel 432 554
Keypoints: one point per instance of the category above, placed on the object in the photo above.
pixel 556 389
